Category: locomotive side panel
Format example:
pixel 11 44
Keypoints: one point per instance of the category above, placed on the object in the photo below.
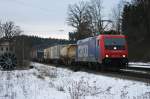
pixel 92 52
pixel 86 50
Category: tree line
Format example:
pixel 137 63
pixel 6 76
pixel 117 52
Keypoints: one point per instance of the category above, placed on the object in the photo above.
pixel 136 25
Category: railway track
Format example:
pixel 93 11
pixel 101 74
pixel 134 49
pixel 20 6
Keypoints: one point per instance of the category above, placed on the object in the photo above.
pixel 136 72
pixel 139 75
pixel 129 74
pixel 141 67
pixel 139 71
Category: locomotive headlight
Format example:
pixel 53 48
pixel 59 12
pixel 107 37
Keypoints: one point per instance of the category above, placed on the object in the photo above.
pixel 107 56
pixel 115 48
pixel 124 56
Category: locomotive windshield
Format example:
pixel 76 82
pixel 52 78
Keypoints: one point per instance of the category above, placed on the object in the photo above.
pixel 115 43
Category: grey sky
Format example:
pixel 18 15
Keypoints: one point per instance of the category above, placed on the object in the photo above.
pixel 43 17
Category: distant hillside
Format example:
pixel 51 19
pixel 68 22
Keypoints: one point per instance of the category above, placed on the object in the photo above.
pixel 34 40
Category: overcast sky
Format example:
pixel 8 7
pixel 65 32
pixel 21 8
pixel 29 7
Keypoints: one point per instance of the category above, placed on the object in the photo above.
pixel 44 18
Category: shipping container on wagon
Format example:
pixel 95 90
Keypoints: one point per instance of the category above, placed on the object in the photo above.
pixel 55 52
pixel 68 53
pixel 47 53
pixel 40 54
pixel 87 50
pixel 37 52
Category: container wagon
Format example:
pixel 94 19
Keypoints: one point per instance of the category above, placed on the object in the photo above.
pixel 68 54
pixel 47 55
pixel 55 53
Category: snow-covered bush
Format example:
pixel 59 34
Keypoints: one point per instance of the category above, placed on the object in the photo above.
pixel 80 89
pixel 49 72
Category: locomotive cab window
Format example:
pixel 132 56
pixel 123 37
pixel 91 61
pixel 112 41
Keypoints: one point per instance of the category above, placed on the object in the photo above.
pixel 118 43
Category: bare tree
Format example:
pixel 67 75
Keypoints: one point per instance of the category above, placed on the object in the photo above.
pixel 9 30
pixel 79 19
pixel 95 10
pixel 117 16
pixel 1 33
pixel 86 18
pixel 76 14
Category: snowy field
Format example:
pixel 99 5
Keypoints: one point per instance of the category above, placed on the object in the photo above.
pixel 46 82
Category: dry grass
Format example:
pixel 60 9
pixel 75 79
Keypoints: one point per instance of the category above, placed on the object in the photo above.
pixel 46 72
pixel 80 89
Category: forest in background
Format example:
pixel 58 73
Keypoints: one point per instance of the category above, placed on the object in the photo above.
pixel 136 25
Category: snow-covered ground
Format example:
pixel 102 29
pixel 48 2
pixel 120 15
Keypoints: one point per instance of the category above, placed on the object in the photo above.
pixel 46 82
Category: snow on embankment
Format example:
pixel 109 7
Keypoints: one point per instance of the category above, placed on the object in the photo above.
pixel 26 85
pixel 46 82
pixel 90 86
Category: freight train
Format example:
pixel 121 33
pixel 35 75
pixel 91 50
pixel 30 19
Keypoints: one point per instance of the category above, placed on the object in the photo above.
pixel 102 51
